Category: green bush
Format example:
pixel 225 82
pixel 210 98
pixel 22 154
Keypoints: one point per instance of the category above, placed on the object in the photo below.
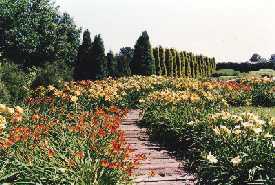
pixel 15 82
pixel 263 94
pixel 4 93
pixel 53 74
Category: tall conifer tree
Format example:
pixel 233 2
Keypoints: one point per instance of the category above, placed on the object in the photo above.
pixel 157 60
pixel 169 62
pixel 97 53
pixel 83 62
pixel 112 64
pixel 143 61
pixel 182 58
pixel 162 61
pixel 178 63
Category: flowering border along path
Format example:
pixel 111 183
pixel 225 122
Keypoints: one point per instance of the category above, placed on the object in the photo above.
pixel 158 167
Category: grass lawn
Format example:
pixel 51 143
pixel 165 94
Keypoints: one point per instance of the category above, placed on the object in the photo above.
pixel 228 74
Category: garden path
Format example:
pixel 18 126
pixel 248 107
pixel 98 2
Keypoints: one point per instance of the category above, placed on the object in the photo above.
pixel 159 168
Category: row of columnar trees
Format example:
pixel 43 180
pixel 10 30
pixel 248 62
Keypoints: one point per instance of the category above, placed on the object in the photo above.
pixel 142 60
pixel 170 62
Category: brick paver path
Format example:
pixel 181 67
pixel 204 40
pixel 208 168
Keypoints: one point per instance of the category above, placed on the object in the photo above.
pixel 159 168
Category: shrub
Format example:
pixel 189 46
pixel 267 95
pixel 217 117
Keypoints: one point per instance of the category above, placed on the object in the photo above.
pixel 4 93
pixel 16 81
pixel 53 74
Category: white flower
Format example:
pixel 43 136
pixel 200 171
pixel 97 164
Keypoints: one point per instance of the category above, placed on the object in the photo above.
pixel 63 170
pixel 260 122
pixel 211 158
pixel 257 130
pixel 191 123
pixel 237 127
pixel 268 135
pixel 141 101
pixel 273 144
pixel 247 124
pixel 236 161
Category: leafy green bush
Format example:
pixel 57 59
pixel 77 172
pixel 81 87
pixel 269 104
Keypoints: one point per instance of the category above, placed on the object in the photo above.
pixel 4 93
pixel 263 94
pixel 16 82
pixel 53 74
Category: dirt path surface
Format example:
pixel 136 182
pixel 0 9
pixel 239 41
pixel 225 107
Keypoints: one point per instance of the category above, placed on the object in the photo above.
pixel 159 167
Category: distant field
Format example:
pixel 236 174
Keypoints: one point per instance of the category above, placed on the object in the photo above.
pixel 261 72
pixel 230 73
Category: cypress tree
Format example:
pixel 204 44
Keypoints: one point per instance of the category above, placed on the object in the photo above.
pixel 178 63
pixel 205 66
pixel 200 63
pixel 157 61
pixel 97 52
pixel 112 64
pixel 83 63
pixel 195 67
pixel 143 60
pixel 199 66
pixel 209 66
pixel 213 64
pixel 189 65
pixel 169 62
pixel 162 61
pixel 174 57
pixel 182 58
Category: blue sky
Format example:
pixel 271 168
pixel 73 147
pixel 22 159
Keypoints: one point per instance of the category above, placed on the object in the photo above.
pixel 230 30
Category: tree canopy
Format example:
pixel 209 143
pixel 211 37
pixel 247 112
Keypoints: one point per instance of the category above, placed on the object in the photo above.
pixel 37 33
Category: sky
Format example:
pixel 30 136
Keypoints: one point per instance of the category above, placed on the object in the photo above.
pixel 230 30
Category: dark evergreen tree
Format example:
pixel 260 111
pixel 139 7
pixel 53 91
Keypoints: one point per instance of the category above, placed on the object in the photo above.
pixel 162 61
pixel 157 61
pixel 83 62
pixel 173 53
pixel 200 64
pixel 169 62
pixel 213 65
pixel 143 61
pixel 98 59
pixel 112 64
pixel 182 58
pixel 195 63
pixel 188 65
pixel 178 63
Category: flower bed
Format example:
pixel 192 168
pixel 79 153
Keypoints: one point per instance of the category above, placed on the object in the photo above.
pixel 64 147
